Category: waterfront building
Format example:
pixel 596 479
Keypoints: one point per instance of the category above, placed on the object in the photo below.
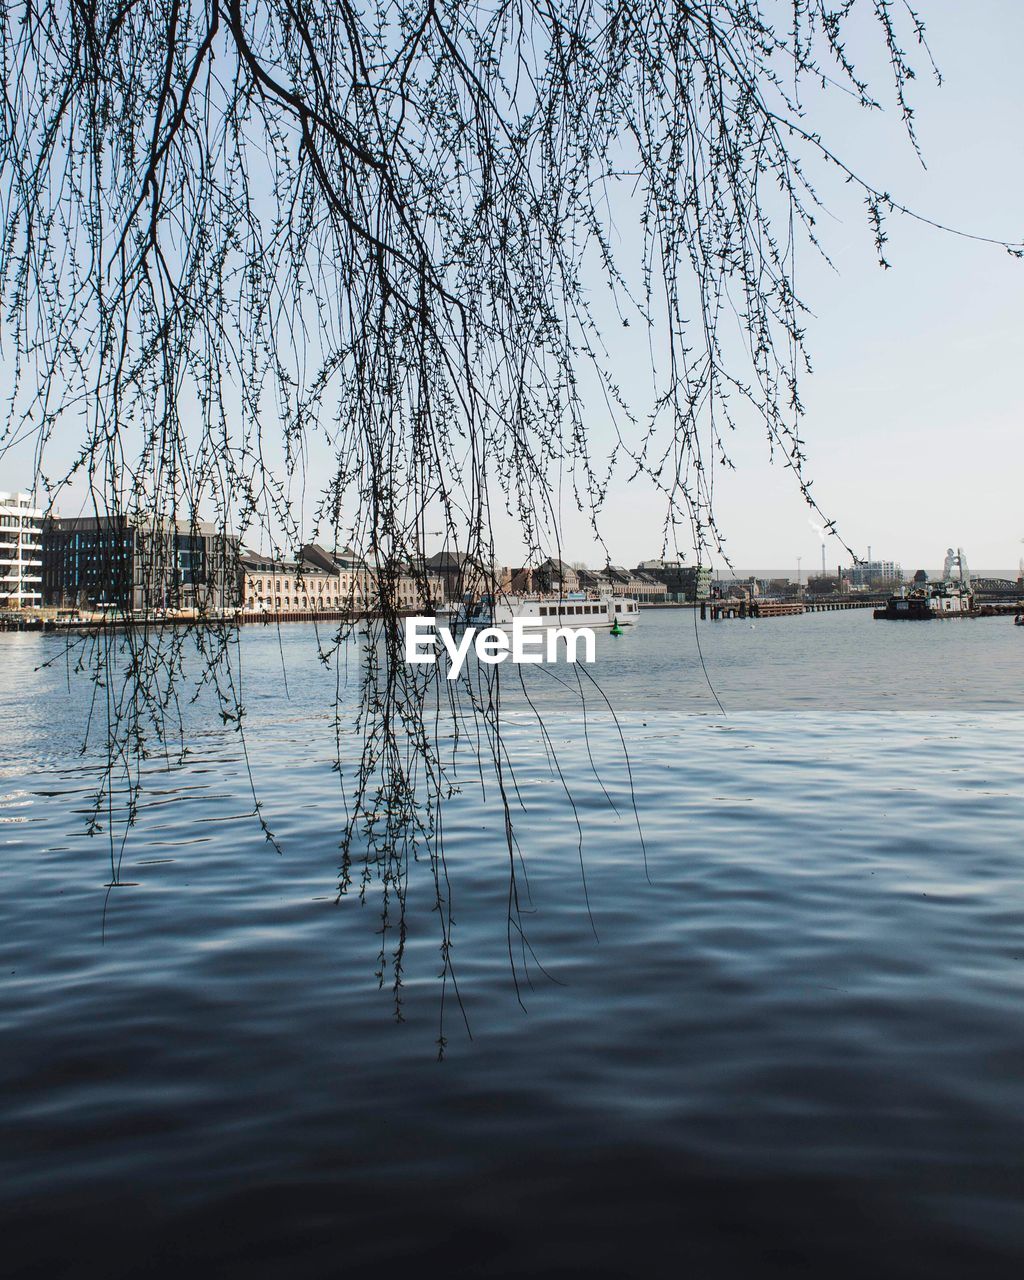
pixel 683 582
pixel 632 582
pixel 563 579
pixel 597 581
pixel 341 580
pixel 740 588
pixel 457 575
pixel 643 587
pixel 555 577
pixel 551 577
pixel 270 584
pixel 868 573
pixel 135 565
pixel 21 552
pixel 415 588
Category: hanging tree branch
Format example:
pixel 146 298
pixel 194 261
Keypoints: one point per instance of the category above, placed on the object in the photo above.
pixel 241 234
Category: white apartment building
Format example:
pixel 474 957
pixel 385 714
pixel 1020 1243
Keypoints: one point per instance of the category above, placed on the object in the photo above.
pixel 869 572
pixel 21 552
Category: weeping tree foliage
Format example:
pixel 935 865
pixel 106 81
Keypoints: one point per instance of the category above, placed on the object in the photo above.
pixel 244 236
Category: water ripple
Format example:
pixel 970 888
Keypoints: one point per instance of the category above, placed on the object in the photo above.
pixel 793 1048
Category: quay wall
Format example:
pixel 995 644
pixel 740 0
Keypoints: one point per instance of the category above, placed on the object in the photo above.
pixel 23 620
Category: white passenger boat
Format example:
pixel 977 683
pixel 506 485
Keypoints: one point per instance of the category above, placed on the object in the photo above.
pixel 546 611
pixel 626 609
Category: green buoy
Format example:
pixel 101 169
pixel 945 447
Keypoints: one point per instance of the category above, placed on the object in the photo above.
pixel 616 629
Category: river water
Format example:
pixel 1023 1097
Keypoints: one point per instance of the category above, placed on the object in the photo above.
pixel 782 1037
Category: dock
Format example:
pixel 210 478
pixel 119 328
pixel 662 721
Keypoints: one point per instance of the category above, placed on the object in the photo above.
pixel 719 609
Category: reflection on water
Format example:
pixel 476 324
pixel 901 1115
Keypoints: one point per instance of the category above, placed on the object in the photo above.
pixel 794 1048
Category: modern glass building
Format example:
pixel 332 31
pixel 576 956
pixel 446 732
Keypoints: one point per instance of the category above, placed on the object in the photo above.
pixel 115 562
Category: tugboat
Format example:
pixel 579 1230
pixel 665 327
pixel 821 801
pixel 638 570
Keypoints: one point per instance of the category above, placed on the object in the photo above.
pixel 951 598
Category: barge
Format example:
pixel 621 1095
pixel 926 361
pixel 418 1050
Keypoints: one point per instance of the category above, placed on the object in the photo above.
pixel 936 600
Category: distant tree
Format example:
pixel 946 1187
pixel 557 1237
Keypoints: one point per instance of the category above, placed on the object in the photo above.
pixel 234 227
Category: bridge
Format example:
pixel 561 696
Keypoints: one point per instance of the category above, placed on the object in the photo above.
pixel 1002 587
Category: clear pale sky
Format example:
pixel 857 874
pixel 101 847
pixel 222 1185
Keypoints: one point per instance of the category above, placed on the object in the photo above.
pixel 914 410
pixel 914 427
